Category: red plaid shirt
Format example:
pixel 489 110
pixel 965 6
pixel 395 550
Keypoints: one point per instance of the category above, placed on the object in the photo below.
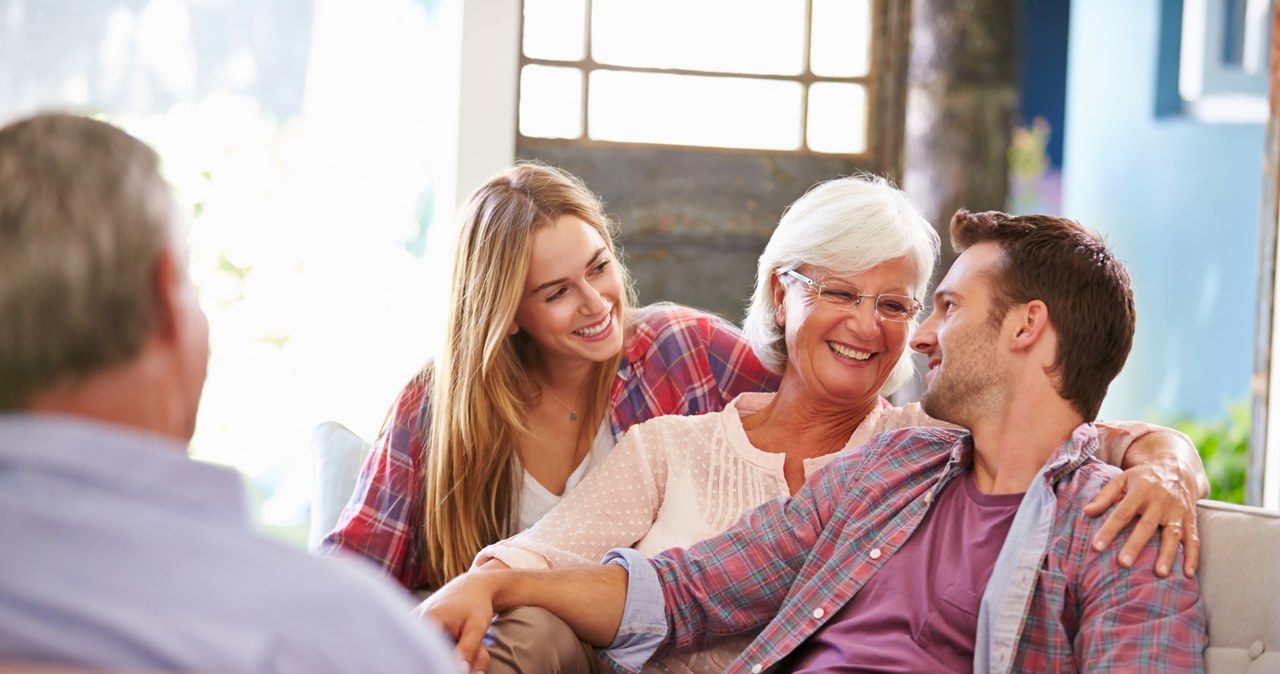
pixel 789 565
pixel 676 361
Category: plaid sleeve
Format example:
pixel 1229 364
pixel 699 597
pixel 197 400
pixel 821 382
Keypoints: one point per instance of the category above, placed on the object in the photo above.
pixel 733 362
pixel 381 521
pixel 735 582
pixel 1134 621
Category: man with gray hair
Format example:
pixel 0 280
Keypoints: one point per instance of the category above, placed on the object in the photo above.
pixel 119 551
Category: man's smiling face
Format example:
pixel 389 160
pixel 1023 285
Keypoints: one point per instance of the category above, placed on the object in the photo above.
pixel 960 339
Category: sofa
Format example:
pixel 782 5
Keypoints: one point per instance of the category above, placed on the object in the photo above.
pixel 1239 559
pixel 1240 582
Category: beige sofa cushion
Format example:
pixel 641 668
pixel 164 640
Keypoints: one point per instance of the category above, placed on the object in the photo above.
pixel 1240 582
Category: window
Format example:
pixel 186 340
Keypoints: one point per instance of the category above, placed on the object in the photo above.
pixel 319 279
pixel 773 75
pixel 699 121
pixel 1222 73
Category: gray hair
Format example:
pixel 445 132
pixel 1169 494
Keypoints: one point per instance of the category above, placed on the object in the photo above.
pixel 84 215
pixel 847 225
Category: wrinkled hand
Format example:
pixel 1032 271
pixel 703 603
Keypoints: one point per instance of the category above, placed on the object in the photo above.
pixel 463 608
pixel 1160 495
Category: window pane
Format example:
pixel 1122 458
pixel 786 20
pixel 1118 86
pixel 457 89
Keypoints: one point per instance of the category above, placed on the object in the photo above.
pixel 841 38
pixel 736 36
pixel 553 29
pixel 837 118
pixel 551 102
pixel 693 110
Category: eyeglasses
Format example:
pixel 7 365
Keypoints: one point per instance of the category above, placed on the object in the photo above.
pixel 888 306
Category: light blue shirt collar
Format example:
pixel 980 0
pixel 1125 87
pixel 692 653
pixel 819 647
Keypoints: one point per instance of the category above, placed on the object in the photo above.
pixel 147 465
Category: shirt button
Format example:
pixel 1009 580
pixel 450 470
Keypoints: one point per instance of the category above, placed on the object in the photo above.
pixel 1256 649
pixel 818 613
pixel 875 553
pixel 928 497
pixel 756 669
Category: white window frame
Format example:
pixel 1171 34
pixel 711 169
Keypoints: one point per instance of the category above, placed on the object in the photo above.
pixel 1211 90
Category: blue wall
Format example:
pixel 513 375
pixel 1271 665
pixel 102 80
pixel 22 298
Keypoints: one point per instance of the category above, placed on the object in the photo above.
pixel 1178 200
pixel 1043 28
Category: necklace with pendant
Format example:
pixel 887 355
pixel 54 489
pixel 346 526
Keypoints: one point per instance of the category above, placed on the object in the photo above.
pixel 573 414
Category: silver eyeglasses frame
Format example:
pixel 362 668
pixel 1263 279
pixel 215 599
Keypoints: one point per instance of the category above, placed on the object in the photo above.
pixel 821 289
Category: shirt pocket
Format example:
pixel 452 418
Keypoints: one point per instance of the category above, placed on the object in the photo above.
pixel 961 599
pixel 952 623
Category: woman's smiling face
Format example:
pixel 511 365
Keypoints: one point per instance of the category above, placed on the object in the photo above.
pixel 571 308
pixel 841 355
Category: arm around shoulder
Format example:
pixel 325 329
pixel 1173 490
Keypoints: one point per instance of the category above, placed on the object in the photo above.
pixel 1158 490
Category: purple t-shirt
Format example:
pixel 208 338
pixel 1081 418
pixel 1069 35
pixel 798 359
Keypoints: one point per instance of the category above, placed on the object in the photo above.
pixel 919 612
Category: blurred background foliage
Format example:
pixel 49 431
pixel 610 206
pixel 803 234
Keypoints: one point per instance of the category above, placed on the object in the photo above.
pixel 1223 442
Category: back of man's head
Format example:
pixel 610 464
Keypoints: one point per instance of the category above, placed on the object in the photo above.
pixel 84 215
pixel 1086 289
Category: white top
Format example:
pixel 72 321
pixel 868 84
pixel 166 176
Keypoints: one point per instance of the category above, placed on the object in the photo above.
pixel 536 500
pixel 676 480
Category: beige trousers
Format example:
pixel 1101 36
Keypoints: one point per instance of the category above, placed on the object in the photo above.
pixel 530 640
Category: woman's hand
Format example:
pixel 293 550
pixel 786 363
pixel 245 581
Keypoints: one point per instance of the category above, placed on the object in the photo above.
pixel 1161 494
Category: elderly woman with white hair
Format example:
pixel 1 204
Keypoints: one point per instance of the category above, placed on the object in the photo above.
pixel 837 296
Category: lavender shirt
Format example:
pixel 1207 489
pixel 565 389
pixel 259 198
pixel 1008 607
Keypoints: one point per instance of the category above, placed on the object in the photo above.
pixel 119 553
pixel 919 613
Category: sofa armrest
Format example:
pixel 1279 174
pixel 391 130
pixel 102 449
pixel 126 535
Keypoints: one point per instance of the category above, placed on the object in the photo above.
pixel 1240 582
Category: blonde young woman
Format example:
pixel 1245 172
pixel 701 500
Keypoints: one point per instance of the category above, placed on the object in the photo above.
pixel 545 364
pixel 837 296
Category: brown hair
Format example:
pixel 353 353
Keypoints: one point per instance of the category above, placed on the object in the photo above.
pixel 480 388
pixel 1087 290
pixel 84 213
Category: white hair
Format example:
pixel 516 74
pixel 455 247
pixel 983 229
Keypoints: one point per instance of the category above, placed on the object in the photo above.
pixel 847 225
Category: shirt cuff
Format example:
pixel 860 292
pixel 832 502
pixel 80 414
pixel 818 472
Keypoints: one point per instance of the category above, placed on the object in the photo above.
pixel 513 557
pixel 644 616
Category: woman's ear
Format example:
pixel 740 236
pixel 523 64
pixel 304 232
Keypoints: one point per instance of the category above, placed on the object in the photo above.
pixel 779 296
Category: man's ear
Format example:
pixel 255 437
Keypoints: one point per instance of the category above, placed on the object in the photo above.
pixel 167 286
pixel 1030 324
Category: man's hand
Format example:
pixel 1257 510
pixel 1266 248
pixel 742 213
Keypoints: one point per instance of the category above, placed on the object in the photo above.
pixel 1161 495
pixel 464 609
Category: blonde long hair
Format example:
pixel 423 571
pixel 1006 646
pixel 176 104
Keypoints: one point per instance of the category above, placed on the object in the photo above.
pixel 480 386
